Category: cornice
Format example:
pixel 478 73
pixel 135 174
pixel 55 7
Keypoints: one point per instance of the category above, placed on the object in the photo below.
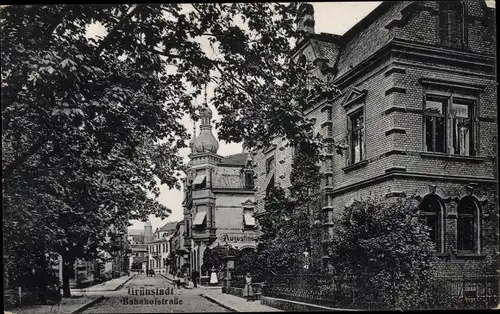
pixel 398 47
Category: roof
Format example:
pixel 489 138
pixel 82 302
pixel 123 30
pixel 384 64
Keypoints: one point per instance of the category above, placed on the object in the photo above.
pixel 235 159
pixel 169 226
pixel 158 241
pixel 135 231
pixel 138 238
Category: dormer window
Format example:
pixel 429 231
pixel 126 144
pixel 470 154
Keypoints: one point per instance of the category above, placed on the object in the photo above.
pixel 451 23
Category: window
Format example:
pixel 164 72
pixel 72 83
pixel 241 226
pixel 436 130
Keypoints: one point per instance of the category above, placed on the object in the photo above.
pixel 467 226
pixel 200 218
pixel 249 183
pixel 329 113
pixel 248 219
pixel 356 137
pixel 200 181
pixel 435 121
pixel 431 211
pixel 451 23
pixel 270 186
pixel 269 164
pixel 461 129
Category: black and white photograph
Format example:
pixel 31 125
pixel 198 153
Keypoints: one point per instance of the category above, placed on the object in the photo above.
pixel 250 157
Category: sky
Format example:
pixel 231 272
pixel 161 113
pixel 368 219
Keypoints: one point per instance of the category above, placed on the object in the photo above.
pixel 330 17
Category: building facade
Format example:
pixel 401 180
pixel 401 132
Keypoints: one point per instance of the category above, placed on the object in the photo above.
pixel 138 243
pixel 219 197
pixel 418 112
pixel 159 248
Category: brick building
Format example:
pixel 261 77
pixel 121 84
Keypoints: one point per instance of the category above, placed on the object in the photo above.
pixel 219 197
pixel 418 112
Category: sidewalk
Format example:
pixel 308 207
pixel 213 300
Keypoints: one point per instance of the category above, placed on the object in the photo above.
pixel 234 303
pixel 170 278
pixel 110 285
pixel 68 305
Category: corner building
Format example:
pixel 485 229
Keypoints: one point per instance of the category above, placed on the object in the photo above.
pixel 219 197
pixel 418 112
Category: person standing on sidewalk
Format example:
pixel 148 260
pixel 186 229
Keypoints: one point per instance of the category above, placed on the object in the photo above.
pixel 195 275
pixel 248 290
pixel 213 277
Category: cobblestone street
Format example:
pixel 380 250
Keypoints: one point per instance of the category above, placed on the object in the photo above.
pixel 114 302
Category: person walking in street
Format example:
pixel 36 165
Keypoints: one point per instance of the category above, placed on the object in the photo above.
pixel 178 279
pixel 248 290
pixel 186 279
pixel 213 277
pixel 195 276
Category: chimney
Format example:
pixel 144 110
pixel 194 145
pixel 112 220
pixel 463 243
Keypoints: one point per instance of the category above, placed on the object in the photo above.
pixel 305 18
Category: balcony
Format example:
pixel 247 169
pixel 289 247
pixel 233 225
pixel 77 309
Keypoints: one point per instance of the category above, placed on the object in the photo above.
pixel 203 234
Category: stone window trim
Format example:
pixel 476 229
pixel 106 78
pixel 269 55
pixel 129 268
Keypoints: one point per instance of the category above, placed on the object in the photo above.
pixel 447 138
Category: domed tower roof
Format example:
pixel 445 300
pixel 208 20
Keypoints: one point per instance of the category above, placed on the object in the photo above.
pixel 205 142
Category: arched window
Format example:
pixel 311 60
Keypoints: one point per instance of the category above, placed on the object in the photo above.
pixel 431 210
pixel 451 23
pixel 468 226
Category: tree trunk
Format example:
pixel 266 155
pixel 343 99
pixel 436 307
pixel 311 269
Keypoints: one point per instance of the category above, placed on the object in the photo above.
pixel 42 276
pixel 67 265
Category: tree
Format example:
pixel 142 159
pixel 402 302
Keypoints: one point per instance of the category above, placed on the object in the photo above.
pixel 387 252
pixel 90 124
pixel 288 227
pixel 214 258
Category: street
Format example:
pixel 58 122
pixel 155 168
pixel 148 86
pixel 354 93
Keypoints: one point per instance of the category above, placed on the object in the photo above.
pixel 166 298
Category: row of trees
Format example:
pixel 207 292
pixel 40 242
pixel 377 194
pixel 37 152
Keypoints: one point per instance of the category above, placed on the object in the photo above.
pixel 91 125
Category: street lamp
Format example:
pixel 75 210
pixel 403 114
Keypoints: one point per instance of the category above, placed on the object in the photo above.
pixel 229 263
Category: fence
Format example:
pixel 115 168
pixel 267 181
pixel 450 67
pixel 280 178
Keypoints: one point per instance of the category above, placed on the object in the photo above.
pixel 469 291
pixel 319 289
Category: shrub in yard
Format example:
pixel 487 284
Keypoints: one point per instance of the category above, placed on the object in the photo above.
pixel 387 251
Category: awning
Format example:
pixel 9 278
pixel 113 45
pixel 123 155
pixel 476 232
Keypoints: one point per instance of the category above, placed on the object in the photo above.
pixel 199 179
pixel 249 220
pixel 199 218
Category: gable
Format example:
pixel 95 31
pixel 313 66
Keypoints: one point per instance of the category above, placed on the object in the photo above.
pixel 353 96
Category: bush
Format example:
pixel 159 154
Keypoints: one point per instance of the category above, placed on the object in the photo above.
pixel 387 251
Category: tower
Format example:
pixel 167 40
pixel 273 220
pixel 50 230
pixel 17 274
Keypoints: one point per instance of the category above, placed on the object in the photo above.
pixel 305 18
pixel 148 232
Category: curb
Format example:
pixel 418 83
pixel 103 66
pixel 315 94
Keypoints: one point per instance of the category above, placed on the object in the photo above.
pixel 214 300
pixel 123 283
pixel 87 305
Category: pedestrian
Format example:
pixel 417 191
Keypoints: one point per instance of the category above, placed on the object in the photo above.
pixel 195 276
pixel 178 280
pixel 248 290
pixel 213 277
pixel 186 280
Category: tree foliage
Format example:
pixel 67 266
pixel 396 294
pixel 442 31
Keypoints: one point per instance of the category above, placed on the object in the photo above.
pixel 290 223
pixel 386 250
